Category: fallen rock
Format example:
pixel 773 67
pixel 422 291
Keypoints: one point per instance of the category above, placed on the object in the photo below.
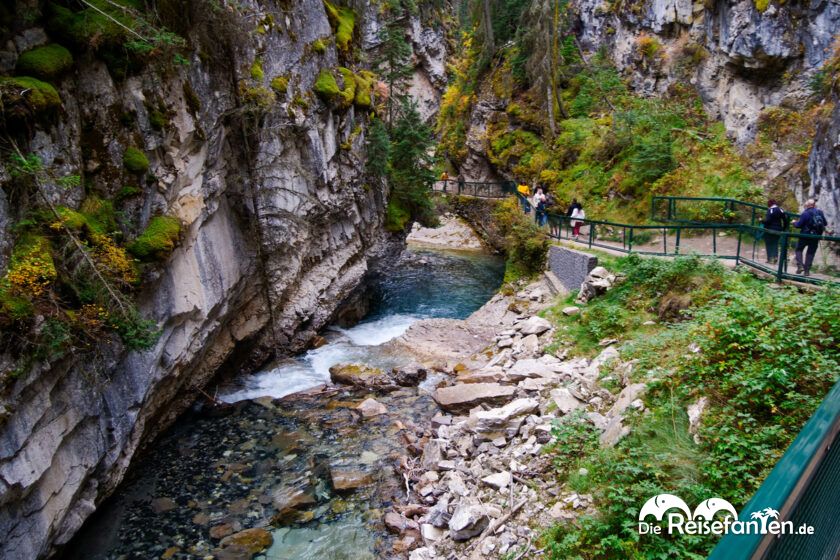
pixel 530 367
pixel 356 374
pixel 464 396
pixel 398 524
pixel 496 419
pixel 571 310
pixel 252 540
pixel 430 533
pixel 432 455
pixel 533 325
pixel 627 396
pixel 469 520
pixel 565 401
pixel 371 407
pixel 695 414
pixel 497 481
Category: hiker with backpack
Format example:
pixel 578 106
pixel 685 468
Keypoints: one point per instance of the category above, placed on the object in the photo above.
pixel 811 222
pixel 776 219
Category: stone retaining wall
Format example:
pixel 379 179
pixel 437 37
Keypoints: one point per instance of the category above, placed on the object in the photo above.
pixel 571 267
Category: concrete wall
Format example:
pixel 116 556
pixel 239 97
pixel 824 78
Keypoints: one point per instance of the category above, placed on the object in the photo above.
pixel 569 266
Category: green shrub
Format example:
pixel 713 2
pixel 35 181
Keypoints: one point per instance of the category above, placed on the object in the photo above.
pixel 396 216
pixel 526 244
pixel 135 161
pixel 259 99
pixel 364 89
pixel 158 240
pixel 128 191
pixel 45 62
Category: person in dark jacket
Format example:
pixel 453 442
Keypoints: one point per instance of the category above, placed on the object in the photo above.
pixel 811 222
pixel 575 205
pixel 776 219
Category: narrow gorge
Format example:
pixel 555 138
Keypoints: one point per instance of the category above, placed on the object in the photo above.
pixel 205 277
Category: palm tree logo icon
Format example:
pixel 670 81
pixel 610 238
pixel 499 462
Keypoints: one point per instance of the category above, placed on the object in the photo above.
pixel 764 515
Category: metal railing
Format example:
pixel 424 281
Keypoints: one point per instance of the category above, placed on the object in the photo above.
pixel 479 189
pixel 803 487
pixel 708 210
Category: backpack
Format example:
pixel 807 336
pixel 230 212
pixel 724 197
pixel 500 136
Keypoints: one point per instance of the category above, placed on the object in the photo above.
pixel 818 223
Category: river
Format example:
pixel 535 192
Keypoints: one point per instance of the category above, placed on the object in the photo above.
pixel 215 474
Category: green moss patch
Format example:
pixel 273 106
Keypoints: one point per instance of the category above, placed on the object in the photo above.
pixel 257 70
pixel 135 161
pixel 364 89
pixel 158 240
pixel 45 62
pixel 24 93
pixel 280 84
pixel 342 20
pixel 318 46
pixel 325 86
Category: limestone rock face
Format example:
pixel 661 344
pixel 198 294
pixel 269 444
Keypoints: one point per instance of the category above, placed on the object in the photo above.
pixel 274 236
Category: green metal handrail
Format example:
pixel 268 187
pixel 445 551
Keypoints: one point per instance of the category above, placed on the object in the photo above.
pixel 479 189
pixel 729 205
pixel 786 483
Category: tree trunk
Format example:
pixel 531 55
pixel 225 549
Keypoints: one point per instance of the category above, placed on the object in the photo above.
pixel 489 41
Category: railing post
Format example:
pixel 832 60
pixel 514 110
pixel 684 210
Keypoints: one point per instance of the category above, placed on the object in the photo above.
pixel 630 242
pixel 591 233
pixel 677 248
pixel 714 241
pixel 738 249
pixel 783 255
pixel 664 241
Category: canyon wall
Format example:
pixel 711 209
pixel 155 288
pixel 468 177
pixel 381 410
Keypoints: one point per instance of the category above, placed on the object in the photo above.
pixel 279 224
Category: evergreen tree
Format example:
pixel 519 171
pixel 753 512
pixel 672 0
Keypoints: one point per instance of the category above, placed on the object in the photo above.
pixel 411 164
pixel 378 149
pixel 394 62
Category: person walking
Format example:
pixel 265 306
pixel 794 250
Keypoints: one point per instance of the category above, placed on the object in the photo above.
pixel 776 219
pixel 575 204
pixel 524 194
pixel 539 206
pixel 812 222
pixel 578 215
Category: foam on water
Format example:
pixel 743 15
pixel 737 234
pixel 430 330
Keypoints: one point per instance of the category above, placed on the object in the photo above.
pixel 313 368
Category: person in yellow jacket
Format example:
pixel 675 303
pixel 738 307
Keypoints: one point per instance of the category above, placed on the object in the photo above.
pixel 525 194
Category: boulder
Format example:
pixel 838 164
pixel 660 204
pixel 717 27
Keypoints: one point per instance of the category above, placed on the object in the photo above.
pixel 464 396
pixel 287 499
pixel 571 310
pixel 523 369
pixel 564 399
pixel 469 520
pixel 358 375
pixel 627 396
pixel 496 418
pixel 533 325
pixel 371 407
pixel 695 414
pixel 398 524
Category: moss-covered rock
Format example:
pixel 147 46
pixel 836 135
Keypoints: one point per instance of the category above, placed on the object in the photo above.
pixel 318 46
pixel 158 240
pixel 24 95
pixel 45 62
pixel 280 84
pixel 30 274
pixel 325 86
pixel 348 94
pixel 135 161
pixel 365 81
pixel 257 70
pixel 343 21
